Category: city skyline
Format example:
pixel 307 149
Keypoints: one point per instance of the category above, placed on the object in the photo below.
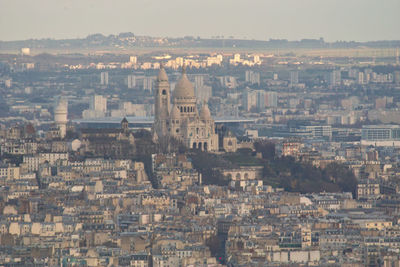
pixel 218 133
pixel 255 19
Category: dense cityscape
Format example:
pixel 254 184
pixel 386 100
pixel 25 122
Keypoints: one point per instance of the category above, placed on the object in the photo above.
pixel 204 157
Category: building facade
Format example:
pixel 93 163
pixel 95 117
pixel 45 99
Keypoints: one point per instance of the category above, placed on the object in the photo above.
pixel 380 135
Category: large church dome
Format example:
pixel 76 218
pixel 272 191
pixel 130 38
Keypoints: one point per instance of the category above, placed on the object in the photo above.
pixel 184 88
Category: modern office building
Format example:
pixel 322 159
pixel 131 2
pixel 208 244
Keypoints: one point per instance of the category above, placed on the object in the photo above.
pixel 318 131
pixel 380 135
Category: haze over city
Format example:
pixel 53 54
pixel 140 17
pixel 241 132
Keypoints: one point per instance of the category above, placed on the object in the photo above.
pixel 358 20
pixel 215 133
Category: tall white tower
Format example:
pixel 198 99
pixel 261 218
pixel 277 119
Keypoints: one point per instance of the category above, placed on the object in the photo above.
pixel 162 103
pixel 61 116
pixel 104 78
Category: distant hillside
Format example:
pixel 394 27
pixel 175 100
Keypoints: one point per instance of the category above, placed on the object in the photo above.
pixel 129 40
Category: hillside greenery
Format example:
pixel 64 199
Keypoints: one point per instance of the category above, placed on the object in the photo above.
pixel 284 172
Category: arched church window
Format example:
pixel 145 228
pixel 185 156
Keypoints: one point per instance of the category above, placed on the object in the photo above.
pixel 164 92
pixel 181 109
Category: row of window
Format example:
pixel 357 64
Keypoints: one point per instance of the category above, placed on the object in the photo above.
pixel 186 109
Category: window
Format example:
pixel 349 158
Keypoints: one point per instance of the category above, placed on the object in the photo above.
pixel 164 92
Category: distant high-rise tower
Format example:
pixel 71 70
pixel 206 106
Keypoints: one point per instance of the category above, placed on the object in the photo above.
pixel 198 81
pixel 335 78
pixel 131 81
pixel 148 83
pixel 97 107
pixel 104 78
pixel 397 57
pixel 98 103
pixel 294 78
pixel 360 78
pixel 271 99
pixel 396 77
pixel 61 116
pixel 203 94
pixel 252 77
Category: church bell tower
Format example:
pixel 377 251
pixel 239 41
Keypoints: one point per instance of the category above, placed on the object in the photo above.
pixel 162 103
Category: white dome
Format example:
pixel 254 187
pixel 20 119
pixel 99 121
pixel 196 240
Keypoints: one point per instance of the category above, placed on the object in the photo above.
pixel 175 113
pixel 184 88
pixel 205 112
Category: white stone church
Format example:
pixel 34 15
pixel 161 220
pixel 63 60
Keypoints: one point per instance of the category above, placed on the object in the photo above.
pixel 182 120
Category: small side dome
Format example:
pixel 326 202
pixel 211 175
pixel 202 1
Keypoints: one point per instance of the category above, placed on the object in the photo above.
pixel 205 112
pixel 175 113
pixel 62 107
pixel 184 88
pixel 162 75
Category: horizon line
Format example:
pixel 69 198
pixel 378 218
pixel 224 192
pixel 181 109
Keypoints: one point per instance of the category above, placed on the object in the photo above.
pixel 220 37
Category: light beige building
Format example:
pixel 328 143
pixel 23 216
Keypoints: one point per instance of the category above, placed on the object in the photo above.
pixel 9 172
pixel 182 121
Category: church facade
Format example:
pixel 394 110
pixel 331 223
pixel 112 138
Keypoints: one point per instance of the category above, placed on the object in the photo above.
pixel 181 120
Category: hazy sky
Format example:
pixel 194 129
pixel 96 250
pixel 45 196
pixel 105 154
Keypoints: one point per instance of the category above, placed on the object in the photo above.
pixel 359 20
